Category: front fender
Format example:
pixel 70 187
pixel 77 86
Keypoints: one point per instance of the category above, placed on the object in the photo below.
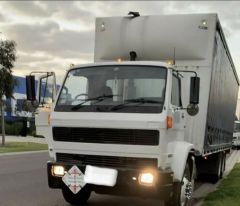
pixel 180 151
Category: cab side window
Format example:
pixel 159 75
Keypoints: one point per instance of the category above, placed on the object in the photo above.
pixel 46 90
pixel 176 91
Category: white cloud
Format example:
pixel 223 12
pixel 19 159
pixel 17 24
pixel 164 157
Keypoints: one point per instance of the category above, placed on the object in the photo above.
pixel 54 34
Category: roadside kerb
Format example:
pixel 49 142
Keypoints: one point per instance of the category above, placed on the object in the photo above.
pixel 206 188
pixel 26 139
pixel 22 153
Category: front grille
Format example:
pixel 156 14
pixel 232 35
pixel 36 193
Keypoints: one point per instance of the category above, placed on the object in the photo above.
pixel 106 161
pixel 106 136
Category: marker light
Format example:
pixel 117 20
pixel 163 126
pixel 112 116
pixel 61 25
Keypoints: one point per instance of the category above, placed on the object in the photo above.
pixel 146 179
pixel 169 122
pixel 119 60
pixel 170 62
pixel 58 170
pixel 102 26
pixel 204 22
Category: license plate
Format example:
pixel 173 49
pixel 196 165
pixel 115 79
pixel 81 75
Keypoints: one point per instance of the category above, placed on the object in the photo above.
pixel 100 176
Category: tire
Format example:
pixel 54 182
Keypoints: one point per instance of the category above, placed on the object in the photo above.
pixel 217 175
pixel 223 166
pixel 179 197
pixel 80 198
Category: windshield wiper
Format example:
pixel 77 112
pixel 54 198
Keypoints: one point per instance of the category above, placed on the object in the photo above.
pixel 138 100
pixel 143 100
pixel 98 99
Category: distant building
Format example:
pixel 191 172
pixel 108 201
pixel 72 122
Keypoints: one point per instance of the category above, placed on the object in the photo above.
pixel 17 107
pixel 14 106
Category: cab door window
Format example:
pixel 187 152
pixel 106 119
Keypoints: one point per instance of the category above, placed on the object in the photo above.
pixel 46 90
pixel 176 91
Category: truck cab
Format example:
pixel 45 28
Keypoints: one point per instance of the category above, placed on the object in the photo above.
pixel 127 117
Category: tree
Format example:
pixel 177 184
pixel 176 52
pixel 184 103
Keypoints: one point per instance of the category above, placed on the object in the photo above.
pixel 7 82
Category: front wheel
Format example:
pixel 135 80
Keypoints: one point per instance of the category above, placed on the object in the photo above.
pixel 80 198
pixel 182 192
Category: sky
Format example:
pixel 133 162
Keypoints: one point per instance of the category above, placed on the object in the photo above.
pixel 52 35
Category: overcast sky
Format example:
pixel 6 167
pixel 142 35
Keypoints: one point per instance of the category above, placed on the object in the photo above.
pixel 52 35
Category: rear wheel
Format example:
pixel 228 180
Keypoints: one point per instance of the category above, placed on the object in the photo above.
pixel 223 166
pixel 217 175
pixel 80 198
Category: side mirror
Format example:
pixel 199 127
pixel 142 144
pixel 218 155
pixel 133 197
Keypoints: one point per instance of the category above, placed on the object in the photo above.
pixel 194 90
pixel 30 88
pixel 192 108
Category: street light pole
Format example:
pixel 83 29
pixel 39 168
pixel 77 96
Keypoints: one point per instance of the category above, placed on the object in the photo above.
pixel 2 111
pixel 1 102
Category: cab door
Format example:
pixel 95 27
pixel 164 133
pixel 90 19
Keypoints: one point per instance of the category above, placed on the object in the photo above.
pixel 178 114
pixel 46 96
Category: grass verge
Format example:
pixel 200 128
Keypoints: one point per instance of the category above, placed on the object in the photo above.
pixel 22 147
pixel 228 192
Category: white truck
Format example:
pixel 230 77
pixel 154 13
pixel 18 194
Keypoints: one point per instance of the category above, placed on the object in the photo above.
pixel 236 135
pixel 151 114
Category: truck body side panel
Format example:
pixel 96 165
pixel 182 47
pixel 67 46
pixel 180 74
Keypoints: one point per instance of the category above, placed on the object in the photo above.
pixel 222 100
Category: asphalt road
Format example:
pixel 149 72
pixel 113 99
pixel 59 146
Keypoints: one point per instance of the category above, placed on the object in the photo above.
pixel 23 182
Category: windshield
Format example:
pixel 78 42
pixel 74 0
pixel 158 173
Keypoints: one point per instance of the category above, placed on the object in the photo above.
pixel 136 89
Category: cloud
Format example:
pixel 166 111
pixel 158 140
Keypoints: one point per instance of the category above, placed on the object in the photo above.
pixel 56 33
pixel 45 46
pixel 68 11
pixel 2 19
pixel 63 12
pixel 27 8
pixel 30 37
pixel 49 38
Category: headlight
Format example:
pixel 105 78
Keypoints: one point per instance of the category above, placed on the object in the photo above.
pixel 146 178
pixel 58 170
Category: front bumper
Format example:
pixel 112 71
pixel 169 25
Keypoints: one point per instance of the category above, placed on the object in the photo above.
pixel 125 185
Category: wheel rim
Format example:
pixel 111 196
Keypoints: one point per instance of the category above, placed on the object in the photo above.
pixel 186 190
pixel 220 167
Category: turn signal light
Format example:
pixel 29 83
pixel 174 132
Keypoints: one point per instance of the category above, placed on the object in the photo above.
pixel 169 122
pixel 49 119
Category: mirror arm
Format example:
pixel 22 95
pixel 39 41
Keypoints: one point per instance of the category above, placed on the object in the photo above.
pixel 186 71
pixel 38 72
pixel 179 108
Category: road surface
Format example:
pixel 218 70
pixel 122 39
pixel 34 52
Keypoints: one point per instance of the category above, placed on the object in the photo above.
pixel 23 182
